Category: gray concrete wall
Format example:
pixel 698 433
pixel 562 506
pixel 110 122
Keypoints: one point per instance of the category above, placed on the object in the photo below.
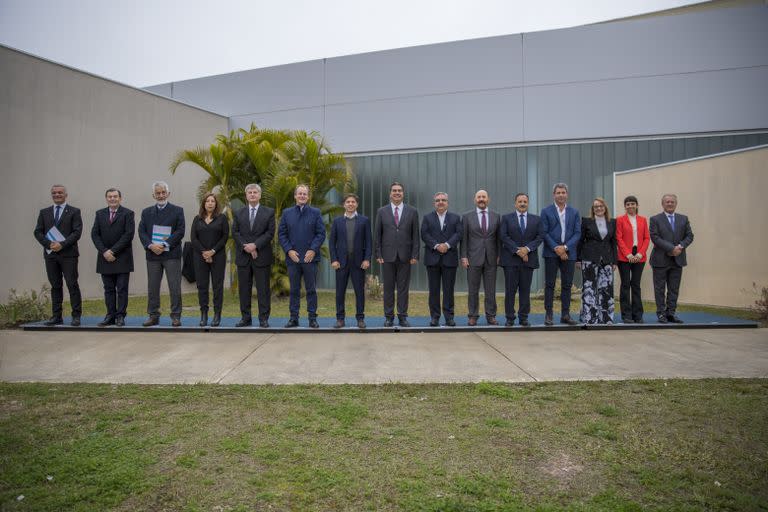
pixel 694 72
pixel 58 125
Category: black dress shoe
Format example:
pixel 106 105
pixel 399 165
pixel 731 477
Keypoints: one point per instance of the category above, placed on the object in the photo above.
pixel 524 322
pixel 203 318
pixel 263 324
pixel 120 321
pixel 75 321
pixel 149 322
pixel 404 322
pixel 361 324
pixel 54 320
pixel 450 322
pixel 674 319
pixel 339 324
pixel 639 321
pixel 434 322
pixel 548 319
pixel 216 320
pixel 313 324
pixel 293 322
pixel 243 323
pixel 389 322
pixel 472 322
pixel 108 320
pixel 509 323
pixel 662 319
pixel 567 320
pixel 491 320
pixel 176 322
pixel 627 321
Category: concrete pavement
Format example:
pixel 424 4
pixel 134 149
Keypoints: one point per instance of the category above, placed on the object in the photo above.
pixel 300 357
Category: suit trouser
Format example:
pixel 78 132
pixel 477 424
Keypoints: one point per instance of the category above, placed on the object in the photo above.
pixel 666 282
pixel 116 293
pixel 295 273
pixel 248 276
pixel 343 275
pixel 212 273
pixel 438 275
pixel 566 268
pixel 172 268
pixel 396 274
pixel 629 290
pixel 487 274
pixel 56 268
pixel 517 278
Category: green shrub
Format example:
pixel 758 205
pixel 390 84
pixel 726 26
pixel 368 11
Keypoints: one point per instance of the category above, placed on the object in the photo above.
pixel 26 307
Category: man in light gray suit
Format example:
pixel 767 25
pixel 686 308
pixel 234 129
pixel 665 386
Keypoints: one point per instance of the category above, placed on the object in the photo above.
pixel 480 249
pixel 396 248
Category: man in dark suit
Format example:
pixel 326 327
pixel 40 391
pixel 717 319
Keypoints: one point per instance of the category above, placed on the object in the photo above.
pixel 671 235
pixel 396 248
pixel 253 229
pixel 58 229
pixel 441 231
pixel 161 230
pixel 520 238
pixel 350 246
pixel 480 256
pixel 301 234
pixel 112 234
pixel 561 232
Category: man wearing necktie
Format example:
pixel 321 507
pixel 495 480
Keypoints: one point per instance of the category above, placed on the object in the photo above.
pixel 112 234
pixel 480 247
pixel 58 229
pixel 671 235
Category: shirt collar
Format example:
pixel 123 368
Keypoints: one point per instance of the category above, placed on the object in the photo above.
pixel 350 216
pixel 393 206
pixel 558 208
pixel 479 210
pixel 63 205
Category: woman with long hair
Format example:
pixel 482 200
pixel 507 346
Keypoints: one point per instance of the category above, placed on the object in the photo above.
pixel 632 239
pixel 597 254
pixel 209 233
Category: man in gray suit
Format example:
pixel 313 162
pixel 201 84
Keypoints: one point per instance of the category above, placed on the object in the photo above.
pixel 671 234
pixel 480 256
pixel 396 248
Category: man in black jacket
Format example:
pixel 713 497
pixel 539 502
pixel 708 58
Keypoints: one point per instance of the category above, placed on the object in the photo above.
pixel 58 229
pixel 112 234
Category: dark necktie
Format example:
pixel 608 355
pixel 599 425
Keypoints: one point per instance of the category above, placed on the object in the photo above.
pixel 522 223
pixel 672 221
pixel 484 223
pixel 111 216
pixel 57 216
pixel 397 217
pixel 253 215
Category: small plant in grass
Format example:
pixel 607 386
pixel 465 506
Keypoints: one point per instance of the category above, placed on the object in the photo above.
pixel 25 307
pixel 373 287
pixel 761 304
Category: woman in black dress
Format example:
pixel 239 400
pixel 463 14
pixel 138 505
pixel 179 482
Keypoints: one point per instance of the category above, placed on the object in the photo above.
pixel 597 254
pixel 210 231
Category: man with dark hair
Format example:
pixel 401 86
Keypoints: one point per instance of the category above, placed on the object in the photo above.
pixel 112 234
pixel 350 247
pixel 58 229
pixel 396 248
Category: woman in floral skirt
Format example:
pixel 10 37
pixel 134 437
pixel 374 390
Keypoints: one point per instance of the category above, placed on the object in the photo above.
pixel 597 255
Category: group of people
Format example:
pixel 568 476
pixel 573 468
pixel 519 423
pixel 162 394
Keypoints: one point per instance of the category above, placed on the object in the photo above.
pixel 480 241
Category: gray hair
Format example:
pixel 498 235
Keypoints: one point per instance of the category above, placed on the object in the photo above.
pixel 251 186
pixel 59 185
pixel 559 185
pixel 161 184
pixel 669 195
pixel 301 185
pixel 440 194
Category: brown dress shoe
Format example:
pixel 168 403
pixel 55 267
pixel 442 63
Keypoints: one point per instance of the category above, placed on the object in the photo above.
pixel 176 322
pixel 492 321
pixel 472 322
pixel 339 324
pixel 149 322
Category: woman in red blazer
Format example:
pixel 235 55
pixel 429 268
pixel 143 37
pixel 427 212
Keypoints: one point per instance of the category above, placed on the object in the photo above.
pixel 632 239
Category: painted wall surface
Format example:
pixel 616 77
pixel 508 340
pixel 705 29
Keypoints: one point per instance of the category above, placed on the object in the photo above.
pixel 723 197
pixel 58 125
pixel 695 72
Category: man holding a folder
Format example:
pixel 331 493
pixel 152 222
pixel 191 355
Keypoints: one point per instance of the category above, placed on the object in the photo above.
pixel 58 229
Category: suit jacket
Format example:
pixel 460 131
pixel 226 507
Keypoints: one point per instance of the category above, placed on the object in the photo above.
pixel 391 242
pixel 261 234
pixel 664 240
pixel 594 249
pixel 432 235
pixel 550 231
pixel 301 229
pixel 171 215
pixel 338 241
pixel 513 239
pixel 624 237
pixel 70 225
pixel 480 248
pixel 116 237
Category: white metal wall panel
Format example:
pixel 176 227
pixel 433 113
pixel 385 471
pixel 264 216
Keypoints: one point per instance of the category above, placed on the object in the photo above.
pixel 308 119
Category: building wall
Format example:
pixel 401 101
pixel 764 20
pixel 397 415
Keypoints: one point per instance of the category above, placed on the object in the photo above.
pixel 723 196
pixel 58 125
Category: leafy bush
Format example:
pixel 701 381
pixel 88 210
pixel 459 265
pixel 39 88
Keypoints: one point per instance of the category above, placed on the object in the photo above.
pixel 373 287
pixel 27 307
pixel 761 303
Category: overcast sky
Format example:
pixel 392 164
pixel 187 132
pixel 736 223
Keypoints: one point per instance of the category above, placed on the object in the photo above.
pixel 146 42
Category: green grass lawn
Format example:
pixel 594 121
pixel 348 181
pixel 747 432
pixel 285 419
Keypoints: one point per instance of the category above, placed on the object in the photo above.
pixel 631 445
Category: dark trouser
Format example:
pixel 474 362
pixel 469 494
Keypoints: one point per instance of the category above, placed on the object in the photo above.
pixel 247 276
pixel 343 276
pixel 213 273
pixel 566 268
pixel 487 274
pixel 309 272
pixel 438 275
pixel 116 293
pixel 396 275
pixel 666 282
pixel 172 267
pixel 56 268
pixel 629 292
pixel 517 278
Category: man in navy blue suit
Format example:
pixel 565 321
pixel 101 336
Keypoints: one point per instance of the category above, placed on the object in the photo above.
pixel 561 231
pixel 441 232
pixel 520 239
pixel 350 246
pixel 301 233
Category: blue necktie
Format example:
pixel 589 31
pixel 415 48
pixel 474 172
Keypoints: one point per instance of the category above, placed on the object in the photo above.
pixel 522 223
pixel 672 221
pixel 57 216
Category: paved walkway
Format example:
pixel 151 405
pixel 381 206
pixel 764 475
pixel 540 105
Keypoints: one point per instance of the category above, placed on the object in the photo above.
pixel 301 357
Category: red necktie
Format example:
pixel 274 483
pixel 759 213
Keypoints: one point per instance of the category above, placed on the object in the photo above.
pixel 111 216
pixel 397 217
pixel 484 223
